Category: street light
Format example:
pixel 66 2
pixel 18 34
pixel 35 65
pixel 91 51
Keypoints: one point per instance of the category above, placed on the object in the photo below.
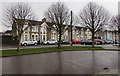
pixel 71 27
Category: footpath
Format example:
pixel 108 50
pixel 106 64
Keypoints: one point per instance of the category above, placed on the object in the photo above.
pixel 111 47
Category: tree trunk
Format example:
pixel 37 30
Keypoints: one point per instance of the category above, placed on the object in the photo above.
pixel 93 65
pixel 93 39
pixel 18 46
pixel 59 42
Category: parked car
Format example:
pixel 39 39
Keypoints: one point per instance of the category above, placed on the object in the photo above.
pixel 116 41
pixel 98 38
pixel 75 41
pixel 51 41
pixel 99 41
pixel 29 42
pixel 109 41
pixel 86 42
pixel 65 42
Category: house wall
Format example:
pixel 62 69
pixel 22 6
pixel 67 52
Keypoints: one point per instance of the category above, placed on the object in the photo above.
pixel 30 34
pixel 66 36
pixel 54 35
pixel 43 33
pixel 26 35
pixel 107 35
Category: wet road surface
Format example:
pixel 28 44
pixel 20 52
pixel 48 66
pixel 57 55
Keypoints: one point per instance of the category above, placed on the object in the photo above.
pixel 67 62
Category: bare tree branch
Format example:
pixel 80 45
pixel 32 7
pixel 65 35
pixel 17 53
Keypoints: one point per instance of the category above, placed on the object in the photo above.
pixel 94 17
pixel 58 14
pixel 16 16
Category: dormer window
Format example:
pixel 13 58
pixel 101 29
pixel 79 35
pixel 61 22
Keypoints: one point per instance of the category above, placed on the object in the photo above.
pixel 26 23
pixel 34 28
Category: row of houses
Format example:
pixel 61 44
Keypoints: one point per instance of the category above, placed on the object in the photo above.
pixel 43 31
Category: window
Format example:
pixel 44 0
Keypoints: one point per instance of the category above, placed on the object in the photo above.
pixel 80 32
pixel 52 35
pixel 41 37
pixel 24 27
pixel 22 37
pixel 36 37
pixel 53 40
pixel 44 37
pixel 26 37
pixel 75 30
pixel 33 28
pixel 36 28
pixel 40 32
pixel 32 37
pixel 44 32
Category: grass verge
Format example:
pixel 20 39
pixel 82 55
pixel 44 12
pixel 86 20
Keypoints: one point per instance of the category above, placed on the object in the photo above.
pixel 46 49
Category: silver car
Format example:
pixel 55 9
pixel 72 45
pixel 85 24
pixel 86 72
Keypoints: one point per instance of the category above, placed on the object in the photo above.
pixel 52 41
pixel 29 42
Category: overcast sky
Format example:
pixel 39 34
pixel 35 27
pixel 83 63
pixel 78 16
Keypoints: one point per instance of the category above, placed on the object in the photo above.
pixel 39 6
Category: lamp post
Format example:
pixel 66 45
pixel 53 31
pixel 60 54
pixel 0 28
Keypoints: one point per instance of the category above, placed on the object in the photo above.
pixel 115 36
pixel 115 32
pixel 71 27
pixel 119 34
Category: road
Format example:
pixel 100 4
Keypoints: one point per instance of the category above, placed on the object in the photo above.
pixel 67 62
pixel 70 62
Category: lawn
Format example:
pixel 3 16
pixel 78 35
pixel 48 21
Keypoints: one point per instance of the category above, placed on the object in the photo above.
pixel 46 49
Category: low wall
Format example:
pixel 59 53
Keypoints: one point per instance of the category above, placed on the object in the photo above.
pixel 7 40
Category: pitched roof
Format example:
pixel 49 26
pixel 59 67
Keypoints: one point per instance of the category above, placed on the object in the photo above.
pixel 33 22
pixel 49 23
pixel 8 32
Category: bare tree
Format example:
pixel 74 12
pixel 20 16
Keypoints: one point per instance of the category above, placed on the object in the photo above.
pixel 58 14
pixel 115 23
pixel 94 17
pixel 16 16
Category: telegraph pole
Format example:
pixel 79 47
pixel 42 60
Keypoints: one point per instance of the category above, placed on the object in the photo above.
pixel 71 27
pixel 119 35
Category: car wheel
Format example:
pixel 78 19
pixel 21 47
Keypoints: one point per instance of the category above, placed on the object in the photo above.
pixel 98 43
pixel 25 44
pixel 35 44
pixel 56 43
pixel 47 43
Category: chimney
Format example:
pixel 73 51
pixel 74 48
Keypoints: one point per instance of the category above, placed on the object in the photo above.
pixel 44 20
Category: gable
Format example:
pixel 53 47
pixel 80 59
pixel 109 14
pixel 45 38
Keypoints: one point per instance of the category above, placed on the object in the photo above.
pixel 44 24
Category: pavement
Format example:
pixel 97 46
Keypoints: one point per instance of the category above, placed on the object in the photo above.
pixel 108 46
pixel 5 47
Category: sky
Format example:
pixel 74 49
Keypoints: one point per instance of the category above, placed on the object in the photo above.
pixel 40 6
